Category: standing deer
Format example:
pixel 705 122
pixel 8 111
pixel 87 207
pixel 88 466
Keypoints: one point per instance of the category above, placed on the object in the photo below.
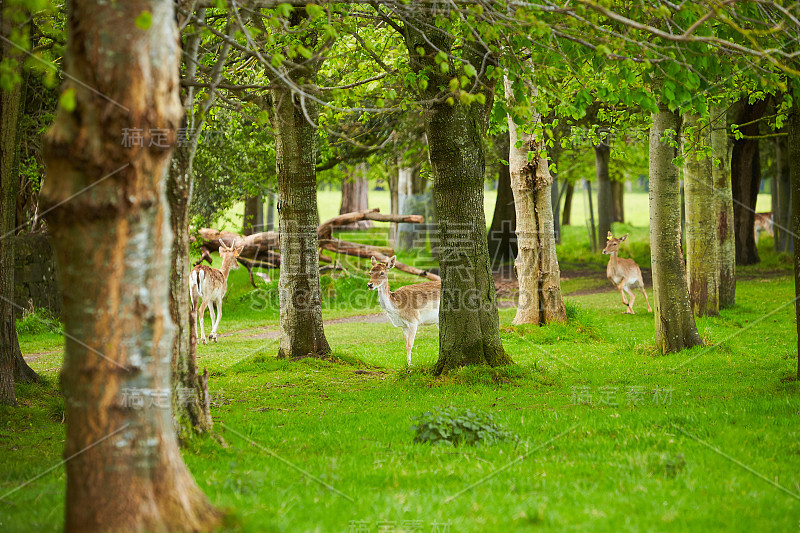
pixel 763 222
pixel 624 273
pixel 408 307
pixel 210 285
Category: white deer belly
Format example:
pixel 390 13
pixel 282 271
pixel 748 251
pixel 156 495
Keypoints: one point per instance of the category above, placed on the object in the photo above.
pixel 429 315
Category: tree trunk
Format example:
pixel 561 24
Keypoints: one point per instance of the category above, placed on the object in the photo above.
pixel 536 265
pixel 12 366
pixel 502 238
pixel 605 204
pixel 302 331
pixel 674 322
pixel 701 218
pixel 554 153
pixel 113 247
pixel 394 200
pixel 746 178
pixel 566 219
pixel 618 200
pixel 782 198
pixel 794 156
pixel 726 248
pixel 253 215
pixel 469 331
pixel 355 196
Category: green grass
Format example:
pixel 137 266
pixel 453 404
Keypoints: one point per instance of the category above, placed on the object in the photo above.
pixel 596 451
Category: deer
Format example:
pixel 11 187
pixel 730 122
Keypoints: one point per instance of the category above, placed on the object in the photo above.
pixel 408 307
pixel 624 273
pixel 210 285
pixel 763 222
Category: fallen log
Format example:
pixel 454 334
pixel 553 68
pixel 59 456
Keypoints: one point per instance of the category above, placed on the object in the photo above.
pixel 325 230
pixel 354 248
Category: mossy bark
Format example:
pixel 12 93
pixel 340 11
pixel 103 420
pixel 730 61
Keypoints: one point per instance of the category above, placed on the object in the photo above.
pixel 746 180
pixel 469 330
pixel 675 328
pixel 723 194
pixel 113 246
pixel 302 331
pixel 702 246
pixel 793 146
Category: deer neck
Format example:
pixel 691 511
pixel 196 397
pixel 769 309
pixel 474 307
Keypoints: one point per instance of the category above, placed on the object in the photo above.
pixel 226 269
pixel 612 262
pixel 385 297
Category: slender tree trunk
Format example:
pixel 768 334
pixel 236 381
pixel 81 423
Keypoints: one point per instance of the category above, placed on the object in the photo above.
pixel 605 205
pixel 113 247
pixel 618 200
pixel 592 234
pixel 566 219
pixel 394 200
pixel 554 154
pixel 536 266
pixel 674 322
pixel 302 331
pixel 794 156
pixel 782 195
pixel 746 179
pixel 469 331
pixel 701 218
pixel 355 196
pixel 721 175
pixel 502 238
pixel 253 215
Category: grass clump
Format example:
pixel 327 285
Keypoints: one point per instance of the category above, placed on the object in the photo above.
pixel 449 426
pixel 37 321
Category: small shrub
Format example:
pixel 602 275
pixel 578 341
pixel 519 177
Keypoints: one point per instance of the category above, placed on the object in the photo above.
pixel 37 321
pixel 449 426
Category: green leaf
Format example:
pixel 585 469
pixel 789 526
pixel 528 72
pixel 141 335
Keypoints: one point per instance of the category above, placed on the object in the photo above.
pixel 67 100
pixel 144 20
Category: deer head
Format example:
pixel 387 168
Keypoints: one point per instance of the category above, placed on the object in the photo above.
pixel 377 274
pixel 229 254
pixel 612 246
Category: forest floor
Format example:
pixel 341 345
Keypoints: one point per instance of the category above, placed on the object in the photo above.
pixel 611 436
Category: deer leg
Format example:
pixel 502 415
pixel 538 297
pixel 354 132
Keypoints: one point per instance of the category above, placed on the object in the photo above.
pixel 631 299
pixel 621 293
pixel 649 309
pixel 411 332
pixel 219 317
pixel 200 316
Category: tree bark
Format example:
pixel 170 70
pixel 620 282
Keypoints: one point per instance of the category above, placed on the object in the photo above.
pixel 674 322
pixel 618 200
pixel 355 196
pixel 554 154
pixel 702 251
pixel 394 200
pixel 794 156
pixel 502 238
pixel 746 178
pixel 113 246
pixel 253 215
pixel 566 219
pixel 605 205
pixel 782 197
pixel 469 331
pixel 302 331
pixel 721 175
pixel 536 265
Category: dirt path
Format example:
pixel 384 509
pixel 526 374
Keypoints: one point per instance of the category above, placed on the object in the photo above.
pixel 273 332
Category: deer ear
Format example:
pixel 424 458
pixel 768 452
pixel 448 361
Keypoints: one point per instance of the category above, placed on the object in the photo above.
pixel 609 236
pixel 624 237
pixel 222 245
pixel 391 262
pixel 373 261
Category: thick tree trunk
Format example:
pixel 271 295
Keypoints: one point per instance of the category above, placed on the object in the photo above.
pixel 566 219
pixel 746 179
pixel 618 200
pixel 536 266
pixel 253 215
pixel 702 266
pixel 302 331
pixel 605 204
pixel 469 331
pixel 674 322
pixel 793 147
pixel 782 197
pixel 726 247
pixel 502 233
pixel 113 247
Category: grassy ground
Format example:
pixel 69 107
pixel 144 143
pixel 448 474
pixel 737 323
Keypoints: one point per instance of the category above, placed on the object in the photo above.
pixel 611 436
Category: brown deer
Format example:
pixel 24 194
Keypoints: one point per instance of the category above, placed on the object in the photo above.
pixel 408 307
pixel 210 285
pixel 624 273
pixel 763 222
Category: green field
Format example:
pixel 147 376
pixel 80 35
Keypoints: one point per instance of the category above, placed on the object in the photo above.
pixel 611 436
